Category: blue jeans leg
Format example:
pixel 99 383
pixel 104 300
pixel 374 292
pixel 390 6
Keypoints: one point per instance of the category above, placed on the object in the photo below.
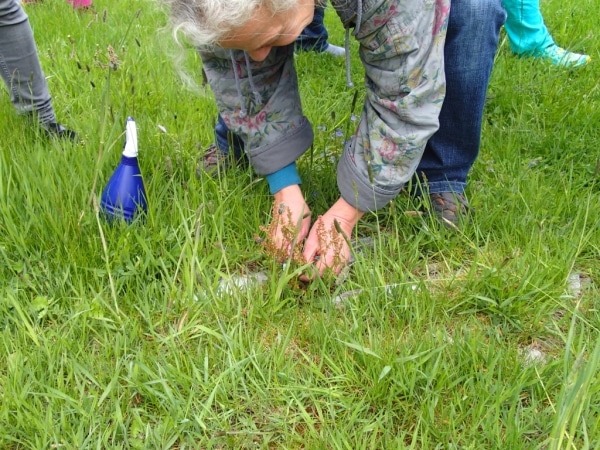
pixel 471 44
pixel 314 37
pixel 226 140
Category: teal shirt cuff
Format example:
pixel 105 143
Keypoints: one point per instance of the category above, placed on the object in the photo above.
pixel 283 178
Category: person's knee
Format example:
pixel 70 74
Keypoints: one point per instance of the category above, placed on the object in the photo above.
pixel 472 39
pixel 477 13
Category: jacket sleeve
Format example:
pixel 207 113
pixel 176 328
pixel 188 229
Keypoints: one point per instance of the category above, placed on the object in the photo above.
pixel 260 102
pixel 402 52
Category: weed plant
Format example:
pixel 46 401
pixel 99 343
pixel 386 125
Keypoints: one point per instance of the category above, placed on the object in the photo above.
pixel 117 336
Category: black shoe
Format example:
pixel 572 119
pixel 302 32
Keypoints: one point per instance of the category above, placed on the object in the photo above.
pixel 56 130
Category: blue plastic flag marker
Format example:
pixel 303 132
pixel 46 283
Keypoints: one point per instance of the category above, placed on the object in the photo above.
pixel 124 196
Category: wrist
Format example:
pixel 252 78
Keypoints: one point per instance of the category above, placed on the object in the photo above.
pixel 346 212
pixel 289 194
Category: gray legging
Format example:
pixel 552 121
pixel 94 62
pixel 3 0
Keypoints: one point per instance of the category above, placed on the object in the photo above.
pixel 20 66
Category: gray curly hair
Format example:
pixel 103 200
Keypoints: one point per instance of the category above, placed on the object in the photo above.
pixel 206 22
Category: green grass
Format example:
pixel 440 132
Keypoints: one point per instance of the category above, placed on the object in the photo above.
pixel 124 336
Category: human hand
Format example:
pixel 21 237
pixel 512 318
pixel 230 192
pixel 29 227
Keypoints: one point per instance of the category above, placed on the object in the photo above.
pixel 329 238
pixel 289 225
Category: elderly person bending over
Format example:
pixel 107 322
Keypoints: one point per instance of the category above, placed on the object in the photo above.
pixel 247 49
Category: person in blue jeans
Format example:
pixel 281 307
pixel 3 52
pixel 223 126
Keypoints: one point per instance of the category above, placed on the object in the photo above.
pixel 528 35
pixel 471 44
pixel 22 72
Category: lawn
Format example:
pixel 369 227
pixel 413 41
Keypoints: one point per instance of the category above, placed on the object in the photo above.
pixel 178 331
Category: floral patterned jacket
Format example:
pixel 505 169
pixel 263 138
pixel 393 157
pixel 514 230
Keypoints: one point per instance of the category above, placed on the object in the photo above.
pixel 401 48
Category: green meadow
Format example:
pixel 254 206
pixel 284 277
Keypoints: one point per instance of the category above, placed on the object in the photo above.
pixel 179 331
